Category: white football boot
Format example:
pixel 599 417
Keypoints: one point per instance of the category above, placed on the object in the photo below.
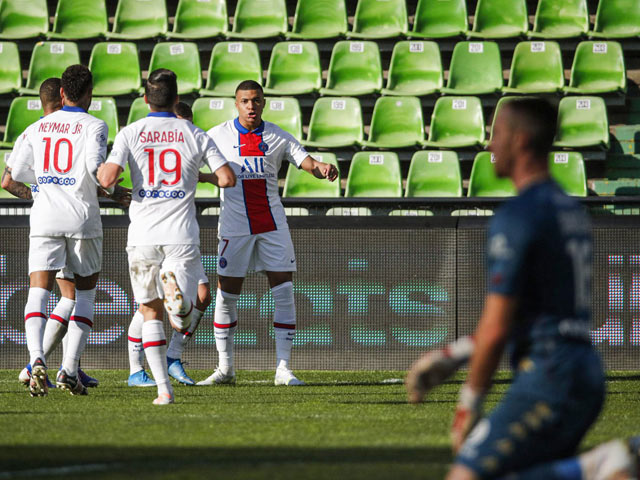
pixel 609 461
pixel 164 399
pixel 220 378
pixel 284 376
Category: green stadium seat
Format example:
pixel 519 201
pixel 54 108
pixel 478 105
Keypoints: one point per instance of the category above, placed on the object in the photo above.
pixel 456 122
pixel 139 109
pixel 567 168
pixel 231 63
pixel 582 122
pixel 500 19
pixel 499 105
pixel 617 19
pixel 374 175
pixel 476 69
pixel 19 21
pixel 483 181
pixel 284 112
pixel 302 184
pixel 126 178
pixel 335 122
pixel 354 69
pixel 115 68
pixel 10 70
pixel 376 19
pixel 598 67
pixel 196 19
pixel 206 189
pixel 76 20
pixel 434 174
pixel 49 59
pixel 319 19
pixel 23 112
pixel 182 58
pixel 259 19
pixel 209 112
pixel 536 68
pixel 4 156
pixel 294 69
pixel 138 19
pixel 415 69
pixel 105 109
pixel 560 19
pixel 396 123
pixel 438 19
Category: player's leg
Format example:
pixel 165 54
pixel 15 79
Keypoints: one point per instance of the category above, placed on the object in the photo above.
pixel 138 377
pixel 58 321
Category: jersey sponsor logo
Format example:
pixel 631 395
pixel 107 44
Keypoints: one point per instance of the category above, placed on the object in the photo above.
pixel 56 180
pixel 170 136
pixel 142 193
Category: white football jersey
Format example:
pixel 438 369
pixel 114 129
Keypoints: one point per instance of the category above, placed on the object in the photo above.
pixel 164 154
pixel 64 150
pixel 253 205
pixel 8 157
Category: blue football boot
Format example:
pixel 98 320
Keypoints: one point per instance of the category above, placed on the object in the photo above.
pixel 86 380
pixel 141 379
pixel 176 370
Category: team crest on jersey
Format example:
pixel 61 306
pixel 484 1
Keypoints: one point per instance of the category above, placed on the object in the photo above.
pixel 263 147
pixel 223 262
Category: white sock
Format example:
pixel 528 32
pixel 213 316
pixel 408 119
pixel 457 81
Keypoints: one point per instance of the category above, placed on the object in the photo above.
pixel 80 325
pixel 284 322
pixel 57 325
pixel 224 326
pixel 134 343
pixel 155 349
pixel 179 340
pixel 35 318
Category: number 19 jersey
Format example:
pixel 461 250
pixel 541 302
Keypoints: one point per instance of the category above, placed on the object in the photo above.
pixel 164 154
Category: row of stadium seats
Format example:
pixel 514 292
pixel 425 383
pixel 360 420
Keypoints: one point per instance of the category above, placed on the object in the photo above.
pixel 397 122
pixel 318 19
pixel 355 68
pixel 431 174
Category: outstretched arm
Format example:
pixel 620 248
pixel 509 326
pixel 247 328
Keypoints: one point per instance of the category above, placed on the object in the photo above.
pixel 223 177
pixel 319 169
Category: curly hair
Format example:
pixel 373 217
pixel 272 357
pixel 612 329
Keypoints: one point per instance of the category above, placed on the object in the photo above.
pixel 76 81
pixel 162 89
pixel 183 110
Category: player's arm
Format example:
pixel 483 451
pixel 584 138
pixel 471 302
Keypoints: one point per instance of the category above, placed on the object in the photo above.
pixel 319 169
pixel 223 175
pixel 18 189
pixel 108 174
pixel 110 171
pixel 22 163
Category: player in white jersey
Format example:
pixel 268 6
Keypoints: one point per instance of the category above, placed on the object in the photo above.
pixel 253 231
pixel 164 155
pixel 61 154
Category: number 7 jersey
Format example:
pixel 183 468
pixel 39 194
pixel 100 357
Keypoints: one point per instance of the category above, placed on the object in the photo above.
pixel 164 154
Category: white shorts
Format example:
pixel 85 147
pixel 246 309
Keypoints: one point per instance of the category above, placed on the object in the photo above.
pixel 147 262
pixel 201 274
pixel 82 256
pixel 263 252
pixel 65 274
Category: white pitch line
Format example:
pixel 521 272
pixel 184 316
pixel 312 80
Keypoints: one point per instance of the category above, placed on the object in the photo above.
pixel 57 471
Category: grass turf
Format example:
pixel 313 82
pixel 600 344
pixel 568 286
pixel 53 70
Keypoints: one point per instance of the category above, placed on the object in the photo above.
pixel 354 425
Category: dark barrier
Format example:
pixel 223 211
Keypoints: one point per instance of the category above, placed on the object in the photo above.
pixel 371 292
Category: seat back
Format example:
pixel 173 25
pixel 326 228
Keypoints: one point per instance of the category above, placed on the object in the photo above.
pixel 198 19
pixel 336 122
pixel 500 18
pixel 567 168
pixel 260 18
pixel 582 122
pixel 23 112
pixel 484 182
pixel 374 175
pixel 18 22
pixel 536 67
pixel 457 121
pixel 115 68
pixel 231 63
pixel 294 68
pixel 105 109
pixel 50 59
pixel 397 122
pixel 317 19
pixel 139 109
pixel 617 19
pixel 10 70
pixel 561 18
pixel 438 19
pixel 355 66
pixel 598 67
pixel 415 68
pixel 434 174
pixel 77 20
pixel 302 184
pixel 376 19
pixel 140 18
pixel 475 68
pixel 209 112
pixel 285 113
pixel 183 59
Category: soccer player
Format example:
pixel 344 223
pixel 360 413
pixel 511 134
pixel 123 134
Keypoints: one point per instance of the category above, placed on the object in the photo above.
pixel 253 232
pixel 164 156
pixel 61 154
pixel 538 301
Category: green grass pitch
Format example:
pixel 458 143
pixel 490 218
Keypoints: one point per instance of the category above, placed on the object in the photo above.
pixel 343 425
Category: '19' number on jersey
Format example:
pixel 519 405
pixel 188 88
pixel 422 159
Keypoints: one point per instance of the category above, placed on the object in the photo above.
pixel 162 163
pixel 56 155
pixel 580 252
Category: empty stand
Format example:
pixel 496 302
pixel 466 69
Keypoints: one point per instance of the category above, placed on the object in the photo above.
pixel 75 20
pixel 104 108
pixel 483 181
pixel 115 68
pixel 284 112
pixel 294 69
pixel 335 122
pixel 434 174
pixel 374 175
pixel 231 63
pixel 598 67
pixel 10 71
pixel 415 69
pixel 560 19
pixel 23 112
pixel 49 59
pixel 582 122
pixel 183 59
pixel 206 189
pixel 396 123
pixel 209 112
pixel 456 122
pixel 376 19
pixel 302 184
pixel 476 69
pixel 259 19
pixel 536 68
pixel 500 19
pixel 354 69
pixel 139 109
pixel 319 19
pixel 138 19
pixel 196 19
pixel 17 21
pixel 438 19
pixel 567 168
pixel 617 19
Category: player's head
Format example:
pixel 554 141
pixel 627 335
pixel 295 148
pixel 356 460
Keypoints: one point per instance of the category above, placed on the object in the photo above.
pixel 50 95
pixel 76 86
pixel 161 90
pixel 250 103
pixel 183 111
pixel 523 133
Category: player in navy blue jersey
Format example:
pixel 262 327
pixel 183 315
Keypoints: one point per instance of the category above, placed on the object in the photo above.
pixel 538 306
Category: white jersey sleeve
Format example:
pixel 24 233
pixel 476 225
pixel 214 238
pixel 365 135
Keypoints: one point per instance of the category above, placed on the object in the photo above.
pixel 212 156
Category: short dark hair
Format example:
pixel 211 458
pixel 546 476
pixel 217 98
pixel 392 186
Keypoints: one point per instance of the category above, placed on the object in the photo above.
pixel 76 81
pixel 183 110
pixel 249 85
pixel 162 88
pixel 537 118
pixel 50 92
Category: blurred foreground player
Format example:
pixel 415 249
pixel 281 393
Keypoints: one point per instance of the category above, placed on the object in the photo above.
pixel 164 155
pixel 539 268
pixel 252 231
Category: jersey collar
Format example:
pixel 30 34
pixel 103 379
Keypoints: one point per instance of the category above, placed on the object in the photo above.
pixel 243 130
pixel 162 114
pixel 68 108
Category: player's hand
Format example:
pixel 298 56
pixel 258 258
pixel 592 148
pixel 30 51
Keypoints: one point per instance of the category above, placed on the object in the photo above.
pixel 328 171
pixel 468 412
pixel 121 194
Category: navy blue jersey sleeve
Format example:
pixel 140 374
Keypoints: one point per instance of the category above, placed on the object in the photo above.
pixel 508 244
